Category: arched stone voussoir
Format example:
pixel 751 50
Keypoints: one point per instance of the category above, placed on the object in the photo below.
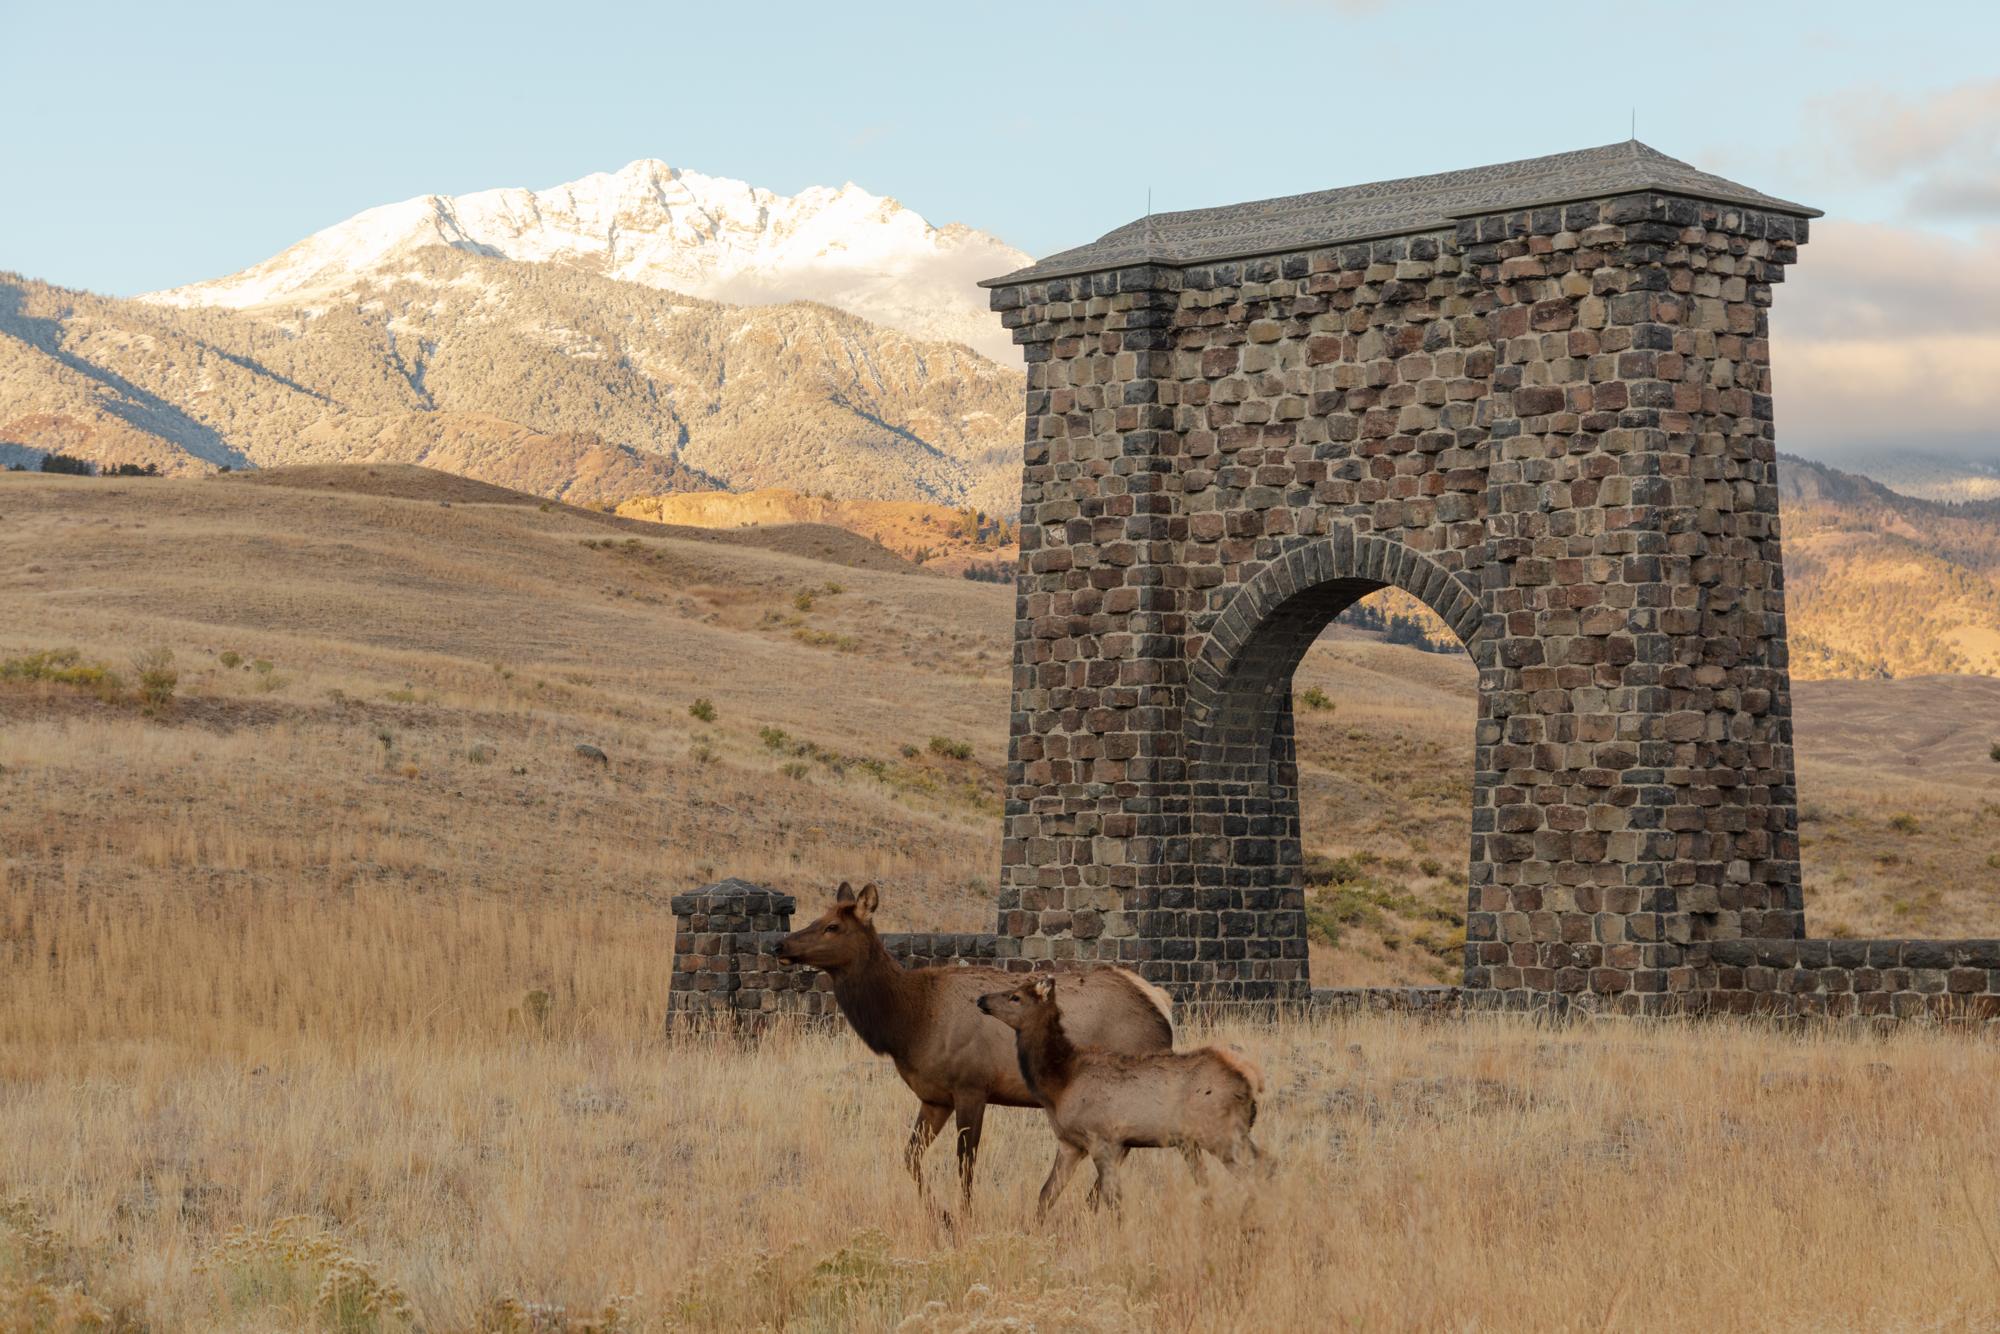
pixel 1342 557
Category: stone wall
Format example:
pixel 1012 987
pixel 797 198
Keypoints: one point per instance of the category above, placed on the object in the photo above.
pixel 1951 980
pixel 726 969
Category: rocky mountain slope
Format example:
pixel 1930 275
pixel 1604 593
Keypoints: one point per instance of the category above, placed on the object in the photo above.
pixel 663 227
pixel 544 377
pixel 1881 584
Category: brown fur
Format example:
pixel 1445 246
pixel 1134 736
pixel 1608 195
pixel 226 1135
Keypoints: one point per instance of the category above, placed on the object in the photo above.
pixel 1105 1103
pixel 954 1059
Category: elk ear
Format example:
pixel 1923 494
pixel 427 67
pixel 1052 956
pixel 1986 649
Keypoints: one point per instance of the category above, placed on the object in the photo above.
pixel 870 900
pixel 845 894
pixel 1043 988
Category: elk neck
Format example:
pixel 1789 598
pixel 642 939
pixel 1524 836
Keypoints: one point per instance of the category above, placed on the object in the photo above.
pixel 879 1001
pixel 1045 1053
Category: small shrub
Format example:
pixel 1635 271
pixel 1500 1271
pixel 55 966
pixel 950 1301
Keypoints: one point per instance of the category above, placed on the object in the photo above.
pixel 1431 866
pixel 1993 861
pixel 1315 699
pixel 803 599
pixel 1904 824
pixel 157 677
pixel 481 754
pixel 946 748
pixel 407 695
pixel 231 659
pixel 702 709
pixel 289 1264
pixel 702 753
pixel 263 667
pixel 65 667
pixel 773 737
pixel 832 589
pixel 796 770
pixel 1994 754
pixel 910 752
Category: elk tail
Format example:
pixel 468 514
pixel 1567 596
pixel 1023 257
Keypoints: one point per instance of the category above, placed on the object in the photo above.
pixel 1239 1061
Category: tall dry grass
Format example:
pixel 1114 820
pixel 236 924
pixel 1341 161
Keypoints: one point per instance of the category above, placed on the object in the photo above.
pixel 179 1076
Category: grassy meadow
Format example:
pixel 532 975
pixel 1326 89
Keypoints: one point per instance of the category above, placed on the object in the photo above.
pixel 332 975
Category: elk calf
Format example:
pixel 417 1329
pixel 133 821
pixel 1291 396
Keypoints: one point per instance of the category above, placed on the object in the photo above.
pixel 1106 1103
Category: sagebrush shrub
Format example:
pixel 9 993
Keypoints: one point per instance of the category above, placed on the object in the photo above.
pixel 157 677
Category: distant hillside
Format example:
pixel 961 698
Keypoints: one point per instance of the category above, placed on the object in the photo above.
pixel 541 377
pixel 948 541
pixel 1880 584
pixel 1924 475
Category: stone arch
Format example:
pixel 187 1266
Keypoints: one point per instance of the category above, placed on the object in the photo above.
pixel 1238 708
pixel 1541 392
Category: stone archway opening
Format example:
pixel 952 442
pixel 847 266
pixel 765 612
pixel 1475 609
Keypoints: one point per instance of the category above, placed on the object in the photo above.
pixel 1384 727
pixel 1300 835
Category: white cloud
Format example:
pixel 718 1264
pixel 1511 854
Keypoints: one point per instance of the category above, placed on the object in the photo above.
pixel 1888 335
pixel 1944 149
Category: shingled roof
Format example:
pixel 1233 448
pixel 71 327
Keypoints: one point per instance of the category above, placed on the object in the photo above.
pixel 1394 208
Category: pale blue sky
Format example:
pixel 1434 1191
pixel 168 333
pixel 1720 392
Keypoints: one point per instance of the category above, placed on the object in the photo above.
pixel 155 144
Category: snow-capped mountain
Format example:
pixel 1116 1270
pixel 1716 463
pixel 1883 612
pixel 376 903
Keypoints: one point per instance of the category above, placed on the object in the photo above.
pixel 650 223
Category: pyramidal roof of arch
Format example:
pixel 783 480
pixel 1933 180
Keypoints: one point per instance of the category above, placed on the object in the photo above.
pixel 1394 208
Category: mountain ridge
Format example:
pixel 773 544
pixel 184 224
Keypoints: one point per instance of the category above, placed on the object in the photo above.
pixel 666 227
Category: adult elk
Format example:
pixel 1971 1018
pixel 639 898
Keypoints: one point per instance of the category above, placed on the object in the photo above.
pixel 957 1061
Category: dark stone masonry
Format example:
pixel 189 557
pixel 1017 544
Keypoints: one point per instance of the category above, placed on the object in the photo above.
pixel 1535 396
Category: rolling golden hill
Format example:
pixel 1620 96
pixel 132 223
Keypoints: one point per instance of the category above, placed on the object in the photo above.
pixel 1884 585
pixel 384 673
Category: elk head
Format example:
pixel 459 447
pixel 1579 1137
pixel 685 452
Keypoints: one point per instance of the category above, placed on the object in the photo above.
pixel 838 938
pixel 1018 1006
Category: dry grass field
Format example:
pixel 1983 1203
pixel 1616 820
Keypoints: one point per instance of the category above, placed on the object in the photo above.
pixel 335 1119
pixel 344 930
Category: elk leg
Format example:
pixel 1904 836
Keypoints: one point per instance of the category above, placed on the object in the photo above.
pixel 931 1117
pixel 1196 1167
pixel 1107 1156
pixel 971 1118
pixel 1067 1157
pixel 1243 1152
